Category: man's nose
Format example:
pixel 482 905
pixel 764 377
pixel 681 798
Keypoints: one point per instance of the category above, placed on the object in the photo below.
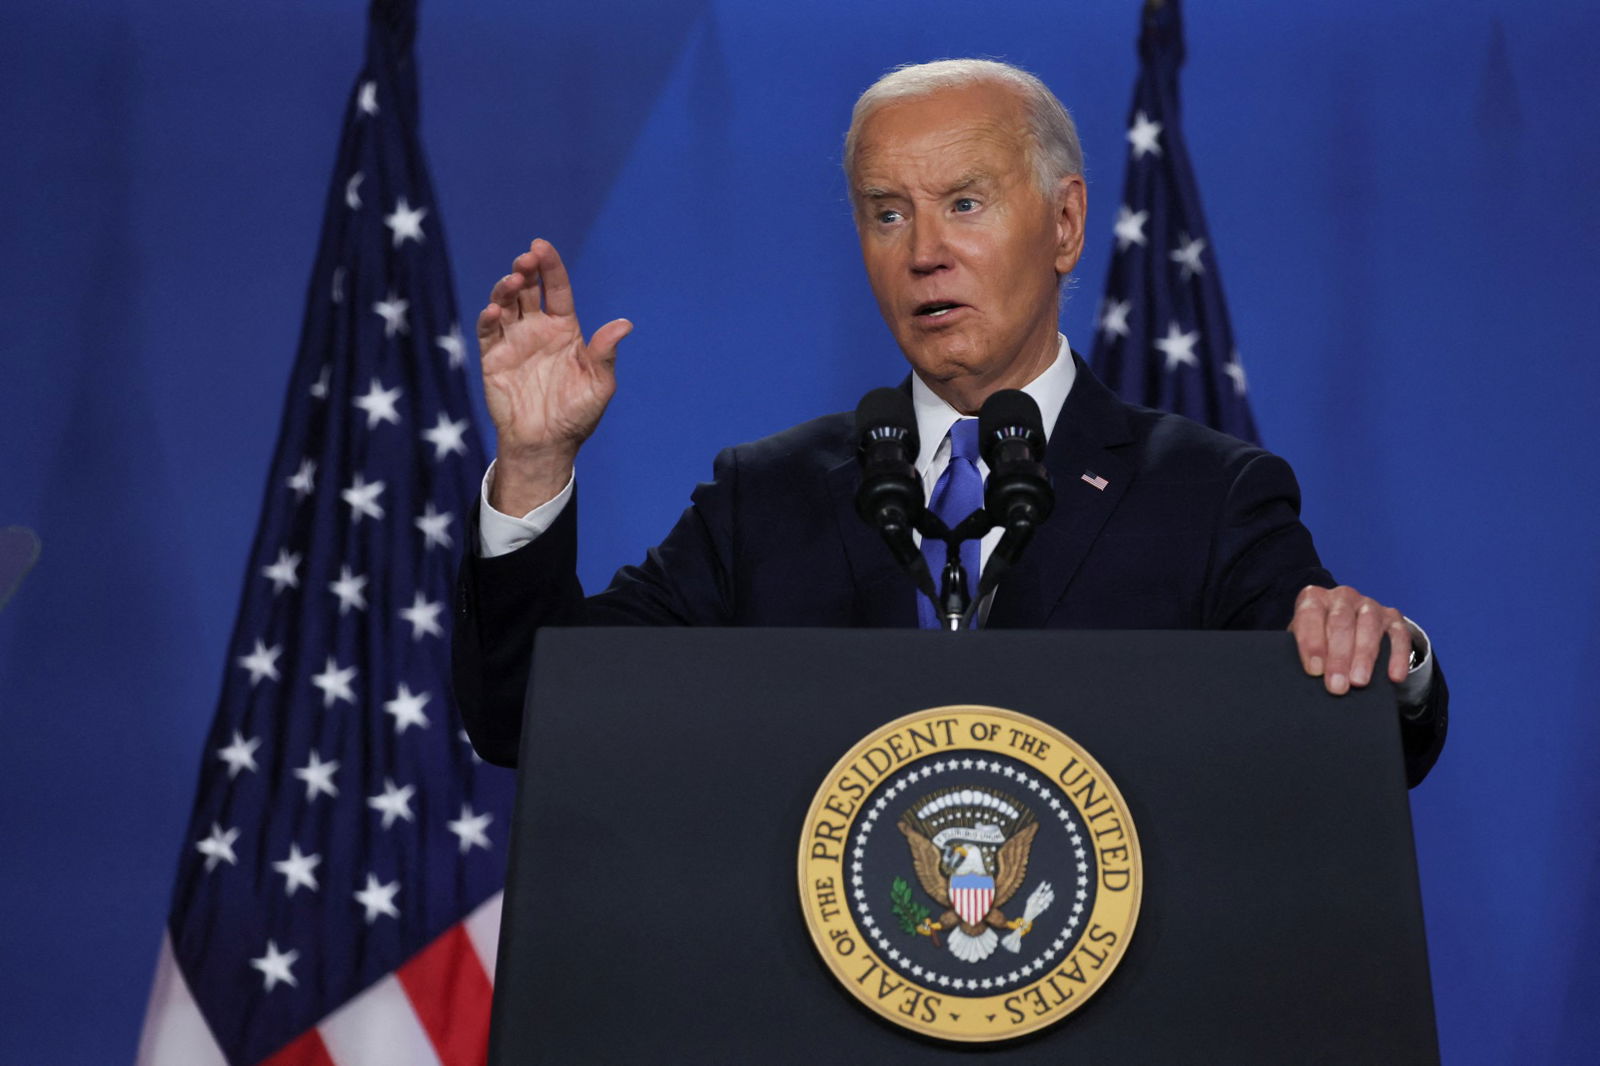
pixel 929 249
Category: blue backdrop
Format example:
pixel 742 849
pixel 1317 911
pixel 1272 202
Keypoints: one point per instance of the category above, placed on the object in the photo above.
pixel 1403 201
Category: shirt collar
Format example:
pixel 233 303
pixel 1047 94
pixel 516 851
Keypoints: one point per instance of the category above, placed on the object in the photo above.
pixel 1049 390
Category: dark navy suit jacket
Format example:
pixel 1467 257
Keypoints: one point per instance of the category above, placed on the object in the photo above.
pixel 1193 530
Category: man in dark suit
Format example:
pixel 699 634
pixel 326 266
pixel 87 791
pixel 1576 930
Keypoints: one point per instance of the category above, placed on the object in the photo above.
pixel 969 203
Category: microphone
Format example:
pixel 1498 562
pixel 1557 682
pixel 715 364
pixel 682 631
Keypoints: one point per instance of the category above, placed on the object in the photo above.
pixel 1018 495
pixel 890 496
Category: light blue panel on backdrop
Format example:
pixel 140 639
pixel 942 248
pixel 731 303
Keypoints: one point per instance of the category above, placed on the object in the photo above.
pixel 1401 195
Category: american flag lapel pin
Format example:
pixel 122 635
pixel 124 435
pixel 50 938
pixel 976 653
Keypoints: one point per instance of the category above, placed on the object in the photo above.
pixel 1094 480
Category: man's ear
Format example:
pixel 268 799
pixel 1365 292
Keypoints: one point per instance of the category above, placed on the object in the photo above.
pixel 1072 206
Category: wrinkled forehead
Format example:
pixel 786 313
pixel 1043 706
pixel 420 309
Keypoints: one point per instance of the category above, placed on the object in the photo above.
pixel 909 144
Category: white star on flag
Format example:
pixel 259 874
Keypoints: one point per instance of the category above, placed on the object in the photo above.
pixel 393 802
pixel 350 590
pixel 379 899
pixel 335 683
pixel 262 662
pixel 303 480
pixel 379 402
pixel 406 707
pixel 469 828
pixel 446 436
pixel 352 195
pixel 240 754
pixel 297 870
pixel 393 311
pixel 274 967
pixel 218 847
pixel 405 223
pixel 1179 347
pixel 1142 136
pixel 318 776
pixel 423 615
pixel 319 387
pixel 1235 370
pixel 363 499
pixel 282 572
pixel 453 344
pixel 435 526
pixel 367 100
pixel 1115 319
pixel 1189 255
pixel 1129 228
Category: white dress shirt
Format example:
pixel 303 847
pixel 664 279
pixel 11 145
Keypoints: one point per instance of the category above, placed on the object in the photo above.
pixel 935 417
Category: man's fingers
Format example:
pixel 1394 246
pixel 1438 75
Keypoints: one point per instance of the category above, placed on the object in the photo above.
pixel 506 292
pixel 1341 643
pixel 603 345
pixel 1338 633
pixel 1399 647
pixel 524 290
pixel 489 325
pixel 553 274
pixel 1369 631
pixel 1310 631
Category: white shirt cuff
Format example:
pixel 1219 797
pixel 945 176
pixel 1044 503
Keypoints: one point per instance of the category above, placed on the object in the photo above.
pixel 502 534
pixel 1412 693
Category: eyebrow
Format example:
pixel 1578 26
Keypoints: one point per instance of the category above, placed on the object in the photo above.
pixel 961 184
pixel 968 180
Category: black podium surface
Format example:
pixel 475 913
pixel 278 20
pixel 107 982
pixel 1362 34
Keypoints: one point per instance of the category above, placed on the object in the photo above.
pixel 652 915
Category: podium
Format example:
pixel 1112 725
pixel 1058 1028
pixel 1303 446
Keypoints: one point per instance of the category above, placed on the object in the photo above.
pixel 651 910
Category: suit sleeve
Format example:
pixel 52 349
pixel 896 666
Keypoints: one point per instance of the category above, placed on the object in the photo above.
pixel 1264 556
pixel 503 602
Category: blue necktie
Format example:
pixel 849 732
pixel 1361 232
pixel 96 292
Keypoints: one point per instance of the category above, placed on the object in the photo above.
pixel 957 494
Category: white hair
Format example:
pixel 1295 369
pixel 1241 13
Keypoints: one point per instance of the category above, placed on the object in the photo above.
pixel 1053 138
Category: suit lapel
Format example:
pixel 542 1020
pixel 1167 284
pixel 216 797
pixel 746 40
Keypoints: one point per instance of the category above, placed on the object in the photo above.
pixel 1092 422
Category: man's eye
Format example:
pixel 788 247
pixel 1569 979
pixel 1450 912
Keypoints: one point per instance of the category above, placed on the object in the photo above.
pixel 888 216
pixel 966 203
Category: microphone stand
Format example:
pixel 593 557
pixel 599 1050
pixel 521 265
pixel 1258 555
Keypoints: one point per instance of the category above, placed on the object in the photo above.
pixel 952 605
pixel 1005 554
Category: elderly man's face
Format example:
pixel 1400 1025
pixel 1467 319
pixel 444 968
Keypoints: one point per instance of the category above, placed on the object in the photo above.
pixel 962 249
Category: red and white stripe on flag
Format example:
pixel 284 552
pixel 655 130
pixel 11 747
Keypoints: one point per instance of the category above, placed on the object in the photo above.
pixel 433 1011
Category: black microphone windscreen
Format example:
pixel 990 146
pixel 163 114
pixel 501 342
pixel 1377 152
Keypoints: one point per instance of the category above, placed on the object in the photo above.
pixel 887 409
pixel 1006 409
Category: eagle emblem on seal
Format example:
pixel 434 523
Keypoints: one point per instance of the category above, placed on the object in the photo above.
pixel 970 847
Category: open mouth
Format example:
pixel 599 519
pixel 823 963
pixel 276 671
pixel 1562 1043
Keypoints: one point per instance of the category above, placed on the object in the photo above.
pixel 936 309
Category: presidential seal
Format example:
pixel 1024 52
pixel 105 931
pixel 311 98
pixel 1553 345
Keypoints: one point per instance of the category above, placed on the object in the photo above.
pixel 970 873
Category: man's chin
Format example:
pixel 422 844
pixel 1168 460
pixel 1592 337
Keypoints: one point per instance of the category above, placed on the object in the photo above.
pixel 957 384
pixel 943 364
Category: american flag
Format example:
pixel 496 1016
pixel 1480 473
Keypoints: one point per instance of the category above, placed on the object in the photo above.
pixel 337 899
pixel 1163 338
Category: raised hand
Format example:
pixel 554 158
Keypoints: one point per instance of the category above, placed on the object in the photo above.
pixel 546 388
